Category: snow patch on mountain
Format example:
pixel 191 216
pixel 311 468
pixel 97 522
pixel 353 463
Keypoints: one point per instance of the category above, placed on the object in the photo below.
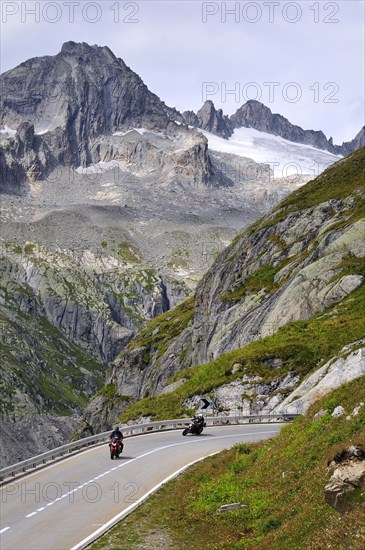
pixel 285 158
pixel 8 132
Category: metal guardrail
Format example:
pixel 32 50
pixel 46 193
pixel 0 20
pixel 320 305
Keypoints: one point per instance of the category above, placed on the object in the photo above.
pixel 130 430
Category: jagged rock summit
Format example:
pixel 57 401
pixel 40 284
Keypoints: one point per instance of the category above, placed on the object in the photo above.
pixel 210 119
pixel 80 93
pixel 256 115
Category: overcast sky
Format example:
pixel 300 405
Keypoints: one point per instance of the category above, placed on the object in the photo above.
pixel 303 59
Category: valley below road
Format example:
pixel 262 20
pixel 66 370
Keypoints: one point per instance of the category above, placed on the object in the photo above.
pixel 63 505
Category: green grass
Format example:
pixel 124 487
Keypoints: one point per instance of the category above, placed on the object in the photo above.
pixel 351 265
pixel 179 258
pixel 129 253
pixel 280 480
pixel 302 346
pixel 337 182
pixel 262 278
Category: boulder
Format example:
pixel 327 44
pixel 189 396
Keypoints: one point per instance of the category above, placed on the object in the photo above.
pixel 348 474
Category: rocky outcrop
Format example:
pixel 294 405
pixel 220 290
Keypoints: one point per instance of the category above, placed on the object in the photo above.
pixel 98 303
pixel 44 432
pixel 303 279
pixel 349 146
pixel 76 108
pixel 24 157
pixel 210 119
pixel 332 375
pixel 347 471
pixel 84 90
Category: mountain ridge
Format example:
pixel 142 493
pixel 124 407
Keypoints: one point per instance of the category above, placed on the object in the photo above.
pixel 254 114
pixel 88 92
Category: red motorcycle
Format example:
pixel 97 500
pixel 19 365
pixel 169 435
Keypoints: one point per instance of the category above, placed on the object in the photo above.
pixel 116 447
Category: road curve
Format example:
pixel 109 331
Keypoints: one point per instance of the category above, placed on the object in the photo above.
pixel 63 504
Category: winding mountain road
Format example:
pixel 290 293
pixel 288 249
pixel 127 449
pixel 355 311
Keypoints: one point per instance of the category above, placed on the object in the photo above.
pixel 62 506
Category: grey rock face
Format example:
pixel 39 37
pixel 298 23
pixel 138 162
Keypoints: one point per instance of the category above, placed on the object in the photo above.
pixel 347 147
pixel 24 157
pixel 221 325
pixel 74 103
pixel 44 433
pixel 213 120
pixel 100 310
pixel 84 90
pixel 337 371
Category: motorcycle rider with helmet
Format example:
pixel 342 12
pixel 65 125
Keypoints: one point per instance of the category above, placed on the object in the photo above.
pixel 199 421
pixel 118 434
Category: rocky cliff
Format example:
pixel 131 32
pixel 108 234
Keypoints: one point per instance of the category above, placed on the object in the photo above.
pixel 300 264
pixel 209 119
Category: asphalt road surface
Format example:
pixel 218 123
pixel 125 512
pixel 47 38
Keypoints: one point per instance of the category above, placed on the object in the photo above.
pixel 61 506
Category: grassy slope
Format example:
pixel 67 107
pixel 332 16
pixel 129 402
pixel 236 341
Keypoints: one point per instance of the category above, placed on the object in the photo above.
pixel 159 332
pixel 302 346
pixel 285 511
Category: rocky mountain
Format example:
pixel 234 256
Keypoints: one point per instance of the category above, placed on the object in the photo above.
pixel 112 209
pixel 74 109
pixel 349 146
pixel 262 317
pixel 79 94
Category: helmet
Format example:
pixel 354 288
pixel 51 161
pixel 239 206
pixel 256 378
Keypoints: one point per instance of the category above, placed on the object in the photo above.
pixel 200 415
pixel 116 428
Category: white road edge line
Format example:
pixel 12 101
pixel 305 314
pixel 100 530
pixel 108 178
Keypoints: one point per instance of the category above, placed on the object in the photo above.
pixel 104 528
pixel 4 529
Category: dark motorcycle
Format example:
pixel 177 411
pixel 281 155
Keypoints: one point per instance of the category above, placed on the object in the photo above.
pixel 194 428
pixel 116 447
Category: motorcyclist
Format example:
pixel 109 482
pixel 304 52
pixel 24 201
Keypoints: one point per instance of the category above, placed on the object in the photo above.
pixel 117 433
pixel 199 420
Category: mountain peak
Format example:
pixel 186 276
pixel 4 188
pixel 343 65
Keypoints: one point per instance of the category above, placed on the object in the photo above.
pixel 72 47
pixel 83 92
